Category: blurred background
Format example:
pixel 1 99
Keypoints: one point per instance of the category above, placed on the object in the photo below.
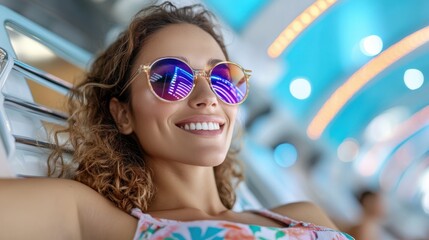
pixel 339 102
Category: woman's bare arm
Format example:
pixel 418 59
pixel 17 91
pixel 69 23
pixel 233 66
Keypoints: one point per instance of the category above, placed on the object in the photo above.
pixel 307 212
pixel 59 209
pixel 38 208
pixel 100 219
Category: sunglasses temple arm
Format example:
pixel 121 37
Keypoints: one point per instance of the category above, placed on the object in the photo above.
pixel 247 72
pixel 140 70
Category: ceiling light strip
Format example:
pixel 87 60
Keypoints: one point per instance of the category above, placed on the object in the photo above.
pixel 298 25
pixel 361 77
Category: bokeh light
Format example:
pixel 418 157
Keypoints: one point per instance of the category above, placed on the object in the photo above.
pixel 371 45
pixel 348 150
pixel 300 88
pixel 413 78
pixel 285 155
pixel 425 203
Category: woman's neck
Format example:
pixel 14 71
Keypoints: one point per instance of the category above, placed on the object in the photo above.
pixel 180 186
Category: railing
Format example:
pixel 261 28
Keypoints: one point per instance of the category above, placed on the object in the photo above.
pixel 18 110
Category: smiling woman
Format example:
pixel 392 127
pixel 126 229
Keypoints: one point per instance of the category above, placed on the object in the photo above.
pixel 152 152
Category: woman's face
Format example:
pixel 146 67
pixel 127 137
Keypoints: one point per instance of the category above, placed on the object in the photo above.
pixel 160 126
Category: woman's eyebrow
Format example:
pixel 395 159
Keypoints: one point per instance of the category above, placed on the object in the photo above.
pixel 183 58
pixel 213 61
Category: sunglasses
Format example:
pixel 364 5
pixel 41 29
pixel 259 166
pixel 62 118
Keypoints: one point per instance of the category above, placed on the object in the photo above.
pixel 172 79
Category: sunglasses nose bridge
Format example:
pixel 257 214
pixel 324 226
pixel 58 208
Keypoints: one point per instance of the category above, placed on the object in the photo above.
pixel 200 73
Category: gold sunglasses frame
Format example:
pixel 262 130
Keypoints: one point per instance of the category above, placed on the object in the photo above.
pixel 196 72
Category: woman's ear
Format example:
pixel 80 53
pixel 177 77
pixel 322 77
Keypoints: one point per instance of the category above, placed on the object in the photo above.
pixel 122 116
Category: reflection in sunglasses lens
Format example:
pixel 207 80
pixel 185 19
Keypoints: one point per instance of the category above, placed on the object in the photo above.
pixel 171 79
pixel 228 81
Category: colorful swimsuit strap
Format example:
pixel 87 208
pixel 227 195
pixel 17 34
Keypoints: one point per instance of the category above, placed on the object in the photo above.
pixel 294 223
pixel 149 218
pixel 281 218
pixel 263 212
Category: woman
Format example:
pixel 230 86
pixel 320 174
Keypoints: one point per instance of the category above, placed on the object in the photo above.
pixel 151 127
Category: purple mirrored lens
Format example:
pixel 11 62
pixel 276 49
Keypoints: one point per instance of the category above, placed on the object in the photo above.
pixel 171 79
pixel 229 83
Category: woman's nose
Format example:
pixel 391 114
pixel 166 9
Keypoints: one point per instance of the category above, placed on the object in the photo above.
pixel 202 95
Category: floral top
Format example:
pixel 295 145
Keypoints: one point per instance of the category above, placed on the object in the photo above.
pixel 163 229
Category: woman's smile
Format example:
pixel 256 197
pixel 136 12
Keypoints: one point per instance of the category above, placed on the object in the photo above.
pixel 206 125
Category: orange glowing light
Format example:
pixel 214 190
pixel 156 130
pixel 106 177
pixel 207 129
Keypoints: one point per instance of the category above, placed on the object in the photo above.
pixel 299 24
pixel 305 18
pixel 361 77
pixel 322 5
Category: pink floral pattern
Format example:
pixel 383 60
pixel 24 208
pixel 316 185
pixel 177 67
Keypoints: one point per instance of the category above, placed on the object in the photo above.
pixel 164 229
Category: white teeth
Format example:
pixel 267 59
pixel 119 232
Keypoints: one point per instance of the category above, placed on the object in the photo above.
pixel 207 126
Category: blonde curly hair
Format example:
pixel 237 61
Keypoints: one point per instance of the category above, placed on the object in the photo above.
pixel 106 160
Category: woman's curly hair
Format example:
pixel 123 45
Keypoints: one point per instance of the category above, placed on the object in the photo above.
pixel 106 160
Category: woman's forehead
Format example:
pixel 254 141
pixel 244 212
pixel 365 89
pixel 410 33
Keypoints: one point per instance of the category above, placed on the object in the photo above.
pixel 186 41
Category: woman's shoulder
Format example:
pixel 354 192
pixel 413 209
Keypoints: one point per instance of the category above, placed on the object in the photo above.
pixel 306 212
pixel 37 184
pixel 65 188
pixel 41 186
pixel 68 208
pixel 47 199
pixel 98 217
pixel 68 190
